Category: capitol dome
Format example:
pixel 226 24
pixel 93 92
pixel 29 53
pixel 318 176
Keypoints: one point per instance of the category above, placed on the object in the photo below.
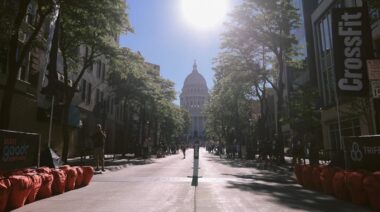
pixel 193 98
pixel 195 78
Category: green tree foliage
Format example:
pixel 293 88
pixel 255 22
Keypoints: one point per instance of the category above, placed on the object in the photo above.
pixel 258 43
pixel 145 93
pixel 303 117
pixel 228 111
pixel 95 25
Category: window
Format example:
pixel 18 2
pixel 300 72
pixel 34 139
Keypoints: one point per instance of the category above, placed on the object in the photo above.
pixel 117 112
pixel 23 73
pixel 86 52
pixel 78 51
pixel 31 14
pixel 374 14
pixel 86 56
pixel 88 100
pixel 104 72
pixel 83 90
pixel 107 103
pixel 33 70
pixel 121 113
pixel 99 68
pixel 325 60
pixel 111 105
pixel 97 97
pixel 349 127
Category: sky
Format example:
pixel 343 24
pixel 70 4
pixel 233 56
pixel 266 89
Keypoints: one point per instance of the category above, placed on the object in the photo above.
pixel 165 37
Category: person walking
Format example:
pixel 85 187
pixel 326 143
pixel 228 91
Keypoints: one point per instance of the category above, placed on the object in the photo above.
pixel 297 149
pixel 99 139
pixel 183 148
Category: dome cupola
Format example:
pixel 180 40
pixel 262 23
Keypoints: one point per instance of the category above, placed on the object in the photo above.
pixel 195 78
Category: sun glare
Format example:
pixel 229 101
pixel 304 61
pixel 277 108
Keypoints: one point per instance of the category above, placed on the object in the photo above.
pixel 204 13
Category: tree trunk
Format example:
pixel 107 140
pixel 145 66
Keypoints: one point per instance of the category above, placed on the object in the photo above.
pixel 125 126
pixel 280 92
pixel 5 113
pixel 6 103
pixel 155 132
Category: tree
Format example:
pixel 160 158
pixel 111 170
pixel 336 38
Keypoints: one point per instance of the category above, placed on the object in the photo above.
pixel 229 108
pixel 144 92
pixel 12 16
pixel 304 118
pixel 269 24
pixel 93 24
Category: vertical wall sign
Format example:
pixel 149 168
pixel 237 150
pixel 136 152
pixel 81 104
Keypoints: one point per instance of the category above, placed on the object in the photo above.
pixel 352 43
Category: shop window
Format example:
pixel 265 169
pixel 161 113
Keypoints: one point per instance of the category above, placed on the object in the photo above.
pixel 349 127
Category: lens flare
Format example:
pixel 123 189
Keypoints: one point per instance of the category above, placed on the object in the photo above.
pixel 204 13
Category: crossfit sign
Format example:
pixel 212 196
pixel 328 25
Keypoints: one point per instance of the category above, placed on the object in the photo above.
pixel 352 43
pixel 362 152
pixel 18 150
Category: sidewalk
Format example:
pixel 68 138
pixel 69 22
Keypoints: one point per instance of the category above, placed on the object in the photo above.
pixel 111 162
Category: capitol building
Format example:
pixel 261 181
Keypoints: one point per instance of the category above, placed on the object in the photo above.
pixel 193 98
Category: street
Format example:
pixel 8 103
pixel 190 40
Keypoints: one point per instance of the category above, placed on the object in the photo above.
pixel 165 185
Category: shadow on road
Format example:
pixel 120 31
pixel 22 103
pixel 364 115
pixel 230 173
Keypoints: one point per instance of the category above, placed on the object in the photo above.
pixel 278 183
pixel 257 164
pixel 295 197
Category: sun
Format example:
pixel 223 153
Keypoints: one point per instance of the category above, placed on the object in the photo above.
pixel 204 14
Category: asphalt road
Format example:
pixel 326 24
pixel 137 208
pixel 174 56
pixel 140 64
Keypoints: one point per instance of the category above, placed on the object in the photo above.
pixel 166 185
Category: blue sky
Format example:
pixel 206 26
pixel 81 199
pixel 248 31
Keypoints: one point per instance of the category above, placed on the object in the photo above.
pixel 163 37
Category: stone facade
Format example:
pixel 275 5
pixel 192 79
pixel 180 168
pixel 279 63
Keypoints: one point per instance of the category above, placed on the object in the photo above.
pixel 193 98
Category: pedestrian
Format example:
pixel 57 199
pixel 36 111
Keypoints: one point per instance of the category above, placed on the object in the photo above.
pixel 183 148
pixel 99 139
pixel 296 148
